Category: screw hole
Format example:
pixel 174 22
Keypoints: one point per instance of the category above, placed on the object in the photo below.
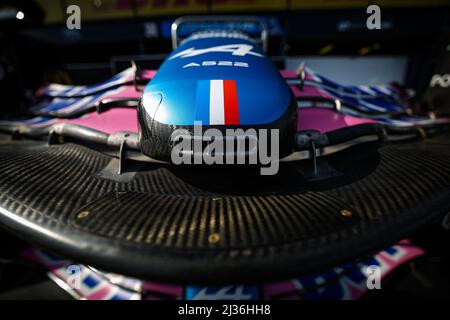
pixel 213 238
pixel 83 214
pixel 346 213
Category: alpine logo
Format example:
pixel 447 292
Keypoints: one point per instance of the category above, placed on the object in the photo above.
pixel 446 222
pixel 235 49
pixel 217 102
pixel 441 80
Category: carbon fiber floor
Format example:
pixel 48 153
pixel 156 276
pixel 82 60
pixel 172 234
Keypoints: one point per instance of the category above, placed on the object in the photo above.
pixel 219 225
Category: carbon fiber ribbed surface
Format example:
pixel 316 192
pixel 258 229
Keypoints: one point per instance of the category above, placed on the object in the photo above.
pixel 184 222
pixel 216 225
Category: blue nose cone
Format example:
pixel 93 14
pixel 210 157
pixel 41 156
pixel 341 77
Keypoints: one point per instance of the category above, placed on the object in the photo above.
pixel 218 80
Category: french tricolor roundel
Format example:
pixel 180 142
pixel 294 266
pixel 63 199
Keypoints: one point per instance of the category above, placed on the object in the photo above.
pixel 217 102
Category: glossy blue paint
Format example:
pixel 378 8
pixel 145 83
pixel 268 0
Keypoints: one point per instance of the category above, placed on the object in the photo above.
pixel 263 95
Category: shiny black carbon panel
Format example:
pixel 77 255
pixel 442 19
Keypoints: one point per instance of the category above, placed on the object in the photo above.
pixel 220 225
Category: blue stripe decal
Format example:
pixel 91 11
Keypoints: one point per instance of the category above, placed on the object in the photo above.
pixel 241 292
pixel 91 281
pixel 122 295
pixel 202 102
